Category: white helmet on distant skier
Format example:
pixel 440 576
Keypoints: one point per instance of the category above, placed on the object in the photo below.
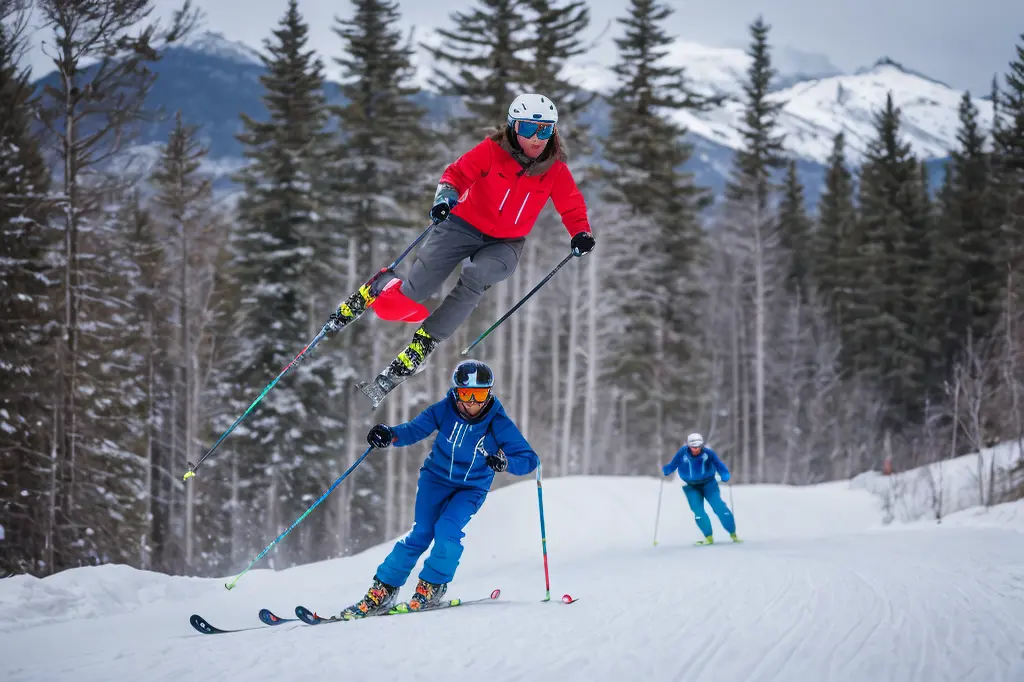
pixel 532 107
pixel 695 440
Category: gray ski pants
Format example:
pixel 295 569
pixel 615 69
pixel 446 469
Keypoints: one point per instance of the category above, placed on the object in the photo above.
pixel 491 260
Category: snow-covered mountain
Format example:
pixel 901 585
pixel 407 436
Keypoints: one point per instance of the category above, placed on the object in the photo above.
pixel 212 80
pixel 815 108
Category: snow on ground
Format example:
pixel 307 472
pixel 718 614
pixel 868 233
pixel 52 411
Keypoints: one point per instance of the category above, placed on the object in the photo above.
pixel 821 590
pixel 944 487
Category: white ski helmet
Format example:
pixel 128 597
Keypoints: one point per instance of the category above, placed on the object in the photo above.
pixel 532 107
pixel 695 440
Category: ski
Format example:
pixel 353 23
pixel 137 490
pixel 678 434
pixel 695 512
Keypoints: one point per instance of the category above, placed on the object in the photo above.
pixel 312 618
pixel 266 616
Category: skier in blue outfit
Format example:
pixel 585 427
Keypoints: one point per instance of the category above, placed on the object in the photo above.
pixel 697 464
pixel 475 438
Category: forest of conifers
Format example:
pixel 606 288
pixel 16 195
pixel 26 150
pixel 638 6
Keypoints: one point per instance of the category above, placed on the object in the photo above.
pixel 141 315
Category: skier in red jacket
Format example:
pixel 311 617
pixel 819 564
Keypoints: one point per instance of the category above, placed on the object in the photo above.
pixel 486 204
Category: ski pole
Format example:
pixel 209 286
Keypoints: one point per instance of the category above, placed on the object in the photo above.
pixel 192 468
pixel 657 515
pixel 543 537
pixel 280 537
pixel 298 358
pixel 566 598
pixel 517 305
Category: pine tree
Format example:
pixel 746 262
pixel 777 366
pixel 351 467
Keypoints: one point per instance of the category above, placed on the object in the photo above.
pixel 103 51
pixel 292 436
pixel 558 29
pixel 835 241
pixel 965 262
pixel 647 154
pixel 24 318
pixel 482 61
pixel 748 193
pixel 883 331
pixel 795 233
pixel 382 183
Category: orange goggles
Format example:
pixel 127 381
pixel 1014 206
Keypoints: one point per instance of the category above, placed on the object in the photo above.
pixel 472 395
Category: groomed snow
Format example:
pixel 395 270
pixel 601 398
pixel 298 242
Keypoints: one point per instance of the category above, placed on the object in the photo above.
pixel 820 590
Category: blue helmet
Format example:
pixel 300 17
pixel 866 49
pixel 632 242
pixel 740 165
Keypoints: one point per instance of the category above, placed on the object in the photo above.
pixel 472 374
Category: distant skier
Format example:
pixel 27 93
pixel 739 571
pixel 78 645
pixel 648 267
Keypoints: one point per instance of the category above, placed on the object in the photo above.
pixel 485 205
pixel 697 464
pixel 475 438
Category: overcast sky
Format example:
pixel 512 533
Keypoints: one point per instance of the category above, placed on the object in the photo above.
pixel 960 42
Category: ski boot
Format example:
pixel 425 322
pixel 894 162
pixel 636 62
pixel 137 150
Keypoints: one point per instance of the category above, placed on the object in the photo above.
pixel 409 362
pixel 427 595
pixel 734 537
pixel 379 599
pixel 709 540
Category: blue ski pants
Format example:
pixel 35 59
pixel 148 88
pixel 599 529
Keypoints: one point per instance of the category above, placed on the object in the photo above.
pixel 696 493
pixel 442 511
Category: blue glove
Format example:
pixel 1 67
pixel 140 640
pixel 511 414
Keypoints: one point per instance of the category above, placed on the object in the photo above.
pixel 725 477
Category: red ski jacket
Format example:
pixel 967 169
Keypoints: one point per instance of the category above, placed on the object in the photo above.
pixel 500 200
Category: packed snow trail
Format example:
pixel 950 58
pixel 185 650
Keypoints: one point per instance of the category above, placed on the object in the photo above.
pixel 819 590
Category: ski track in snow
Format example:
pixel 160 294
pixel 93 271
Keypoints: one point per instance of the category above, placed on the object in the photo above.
pixel 819 591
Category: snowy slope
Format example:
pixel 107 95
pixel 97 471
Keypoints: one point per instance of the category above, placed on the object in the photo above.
pixel 819 591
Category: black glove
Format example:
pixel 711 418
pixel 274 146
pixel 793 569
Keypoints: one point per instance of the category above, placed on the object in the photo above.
pixel 498 462
pixel 381 436
pixel 440 211
pixel 582 243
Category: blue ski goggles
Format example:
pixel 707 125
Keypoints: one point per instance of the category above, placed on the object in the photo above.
pixel 528 129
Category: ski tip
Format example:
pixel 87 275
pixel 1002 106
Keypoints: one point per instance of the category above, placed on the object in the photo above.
pixel 200 624
pixel 307 616
pixel 568 599
pixel 270 618
pixel 495 594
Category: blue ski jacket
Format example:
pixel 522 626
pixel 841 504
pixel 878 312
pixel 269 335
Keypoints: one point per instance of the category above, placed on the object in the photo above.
pixel 698 468
pixel 461 446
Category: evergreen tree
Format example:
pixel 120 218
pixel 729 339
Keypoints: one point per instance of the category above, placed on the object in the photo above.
pixel 763 148
pixel 795 234
pixel 835 241
pixel 25 314
pixel 287 443
pixel 1008 170
pixel 482 61
pixel 646 154
pixel 558 29
pixel 103 52
pixel 748 212
pixel 384 186
pixel 883 333
pixel 965 262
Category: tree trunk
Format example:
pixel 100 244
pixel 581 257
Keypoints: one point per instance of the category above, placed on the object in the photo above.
pixel 590 399
pixel 570 373
pixel 523 415
pixel 759 339
pixel 556 376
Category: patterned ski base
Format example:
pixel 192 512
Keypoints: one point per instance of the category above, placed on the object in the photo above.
pixel 312 618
